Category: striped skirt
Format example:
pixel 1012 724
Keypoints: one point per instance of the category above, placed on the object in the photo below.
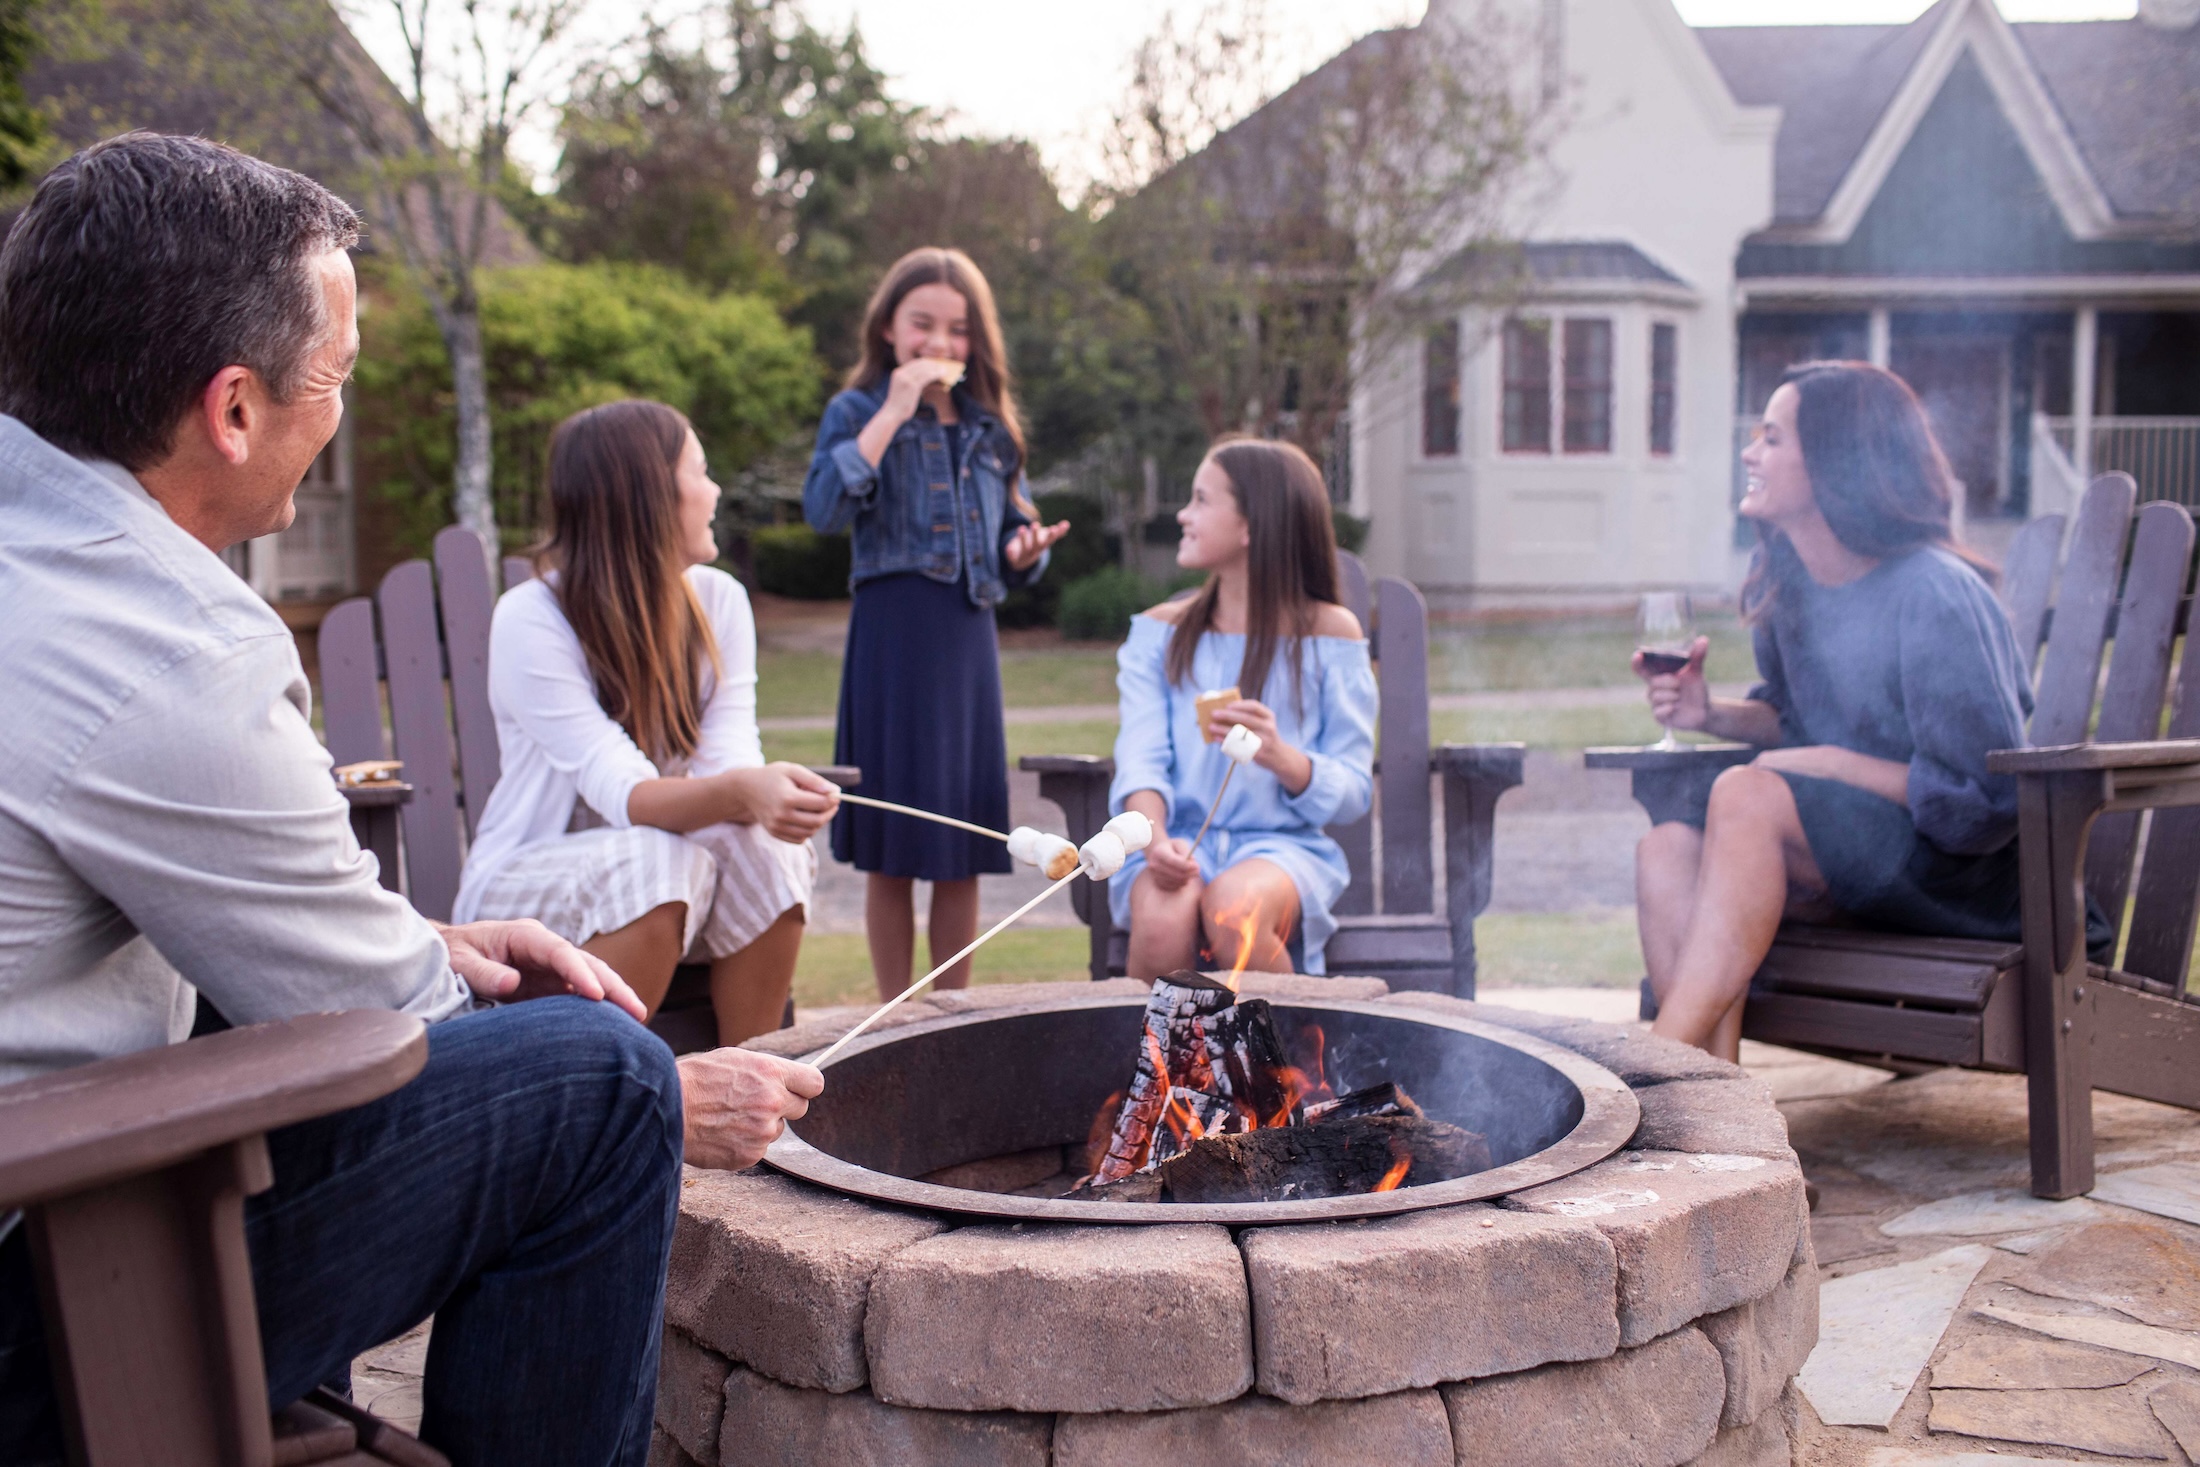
pixel 736 880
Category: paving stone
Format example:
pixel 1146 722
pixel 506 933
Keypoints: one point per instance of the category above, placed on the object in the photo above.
pixel 1982 1214
pixel 665 1452
pixel 1908 1457
pixel 2169 1190
pixel 1695 1234
pixel 2137 1269
pixel 1657 1406
pixel 2175 1346
pixel 2177 1406
pixel 1763 1343
pixel 2032 1242
pixel 774 1425
pixel 1840 1239
pixel 1062 1319
pixel 1010 995
pixel 2108 1422
pixel 1999 1362
pixel 814 1034
pixel 1846 1193
pixel 1876 1330
pixel 1303 985
pixel 1403 1430
pixel 1368 1307
pixel 691 1390
pixel 775 1274
pixel 1638 1059
pixel 1733 1117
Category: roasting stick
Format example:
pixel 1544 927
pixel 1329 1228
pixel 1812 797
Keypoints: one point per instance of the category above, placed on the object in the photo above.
pixel 1240 746
pixel 920 814
pixel 913 989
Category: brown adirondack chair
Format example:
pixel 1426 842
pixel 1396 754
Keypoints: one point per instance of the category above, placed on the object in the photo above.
pixel 2037 1006
pixel 1402 938
pixel 431 658
pixel 132 1173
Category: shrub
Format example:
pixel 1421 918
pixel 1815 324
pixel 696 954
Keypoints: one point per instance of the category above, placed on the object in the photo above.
pixel 1086 548
pixel 796 561
pixel 559 338
pixel 1351 529
pixel 1100 606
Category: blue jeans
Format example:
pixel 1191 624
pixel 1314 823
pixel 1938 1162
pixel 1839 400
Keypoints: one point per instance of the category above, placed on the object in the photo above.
pixel 522 1190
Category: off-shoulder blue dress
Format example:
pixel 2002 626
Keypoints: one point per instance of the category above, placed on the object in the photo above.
pixel 1330 718
pixel 1914 661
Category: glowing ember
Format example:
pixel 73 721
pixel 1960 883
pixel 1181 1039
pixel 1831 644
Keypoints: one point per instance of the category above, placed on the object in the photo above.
pixel 1395 1175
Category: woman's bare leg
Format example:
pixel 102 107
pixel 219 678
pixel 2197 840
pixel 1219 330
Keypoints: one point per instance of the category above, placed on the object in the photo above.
pixel 1247 913
pixel 645 951
pixel 1667 861
pixel 1164 926
pixel 890 925
pixel 1755 857
pixel 748 989
pixel 954 924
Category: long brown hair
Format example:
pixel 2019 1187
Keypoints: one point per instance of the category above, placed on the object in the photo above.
pixel 615 544
pixel 1291 564
pixel 1876 470
pixel 985 375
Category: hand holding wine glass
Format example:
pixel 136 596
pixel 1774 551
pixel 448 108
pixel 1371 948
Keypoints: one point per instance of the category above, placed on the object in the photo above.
pixel 1669 657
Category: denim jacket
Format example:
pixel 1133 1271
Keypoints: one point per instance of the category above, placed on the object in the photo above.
pixel 911 512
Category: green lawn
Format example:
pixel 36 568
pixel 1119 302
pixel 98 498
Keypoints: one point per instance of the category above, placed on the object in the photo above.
pixel 1564 653
pixel 1517 950
pixel 807 684
pixel 815 745
pixel 1579 726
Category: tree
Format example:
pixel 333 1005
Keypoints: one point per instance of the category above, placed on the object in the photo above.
pixel 558 338
pixel 1276 250
pixel 22 129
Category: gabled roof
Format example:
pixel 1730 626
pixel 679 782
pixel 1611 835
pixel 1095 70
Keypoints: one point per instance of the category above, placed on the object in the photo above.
pixel 2108 111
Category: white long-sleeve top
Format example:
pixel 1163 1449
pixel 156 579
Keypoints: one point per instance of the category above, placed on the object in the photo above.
pixel 555 742
pixel 167 820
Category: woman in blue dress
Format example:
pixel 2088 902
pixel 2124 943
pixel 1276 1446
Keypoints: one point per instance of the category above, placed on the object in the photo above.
pixel 1266 623
pixel 1889 672
pixel 921 459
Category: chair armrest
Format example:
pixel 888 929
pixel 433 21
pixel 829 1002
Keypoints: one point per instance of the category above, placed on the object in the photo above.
pixel 83 1127
pixel 846 776
pixel 376 796
pixel 1480 763
pixel 2079 758
pixel 1670 783
pixel 1090 765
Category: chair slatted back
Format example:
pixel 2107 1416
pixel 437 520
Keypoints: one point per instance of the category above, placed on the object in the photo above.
pixel 1409 878
pixel 467 601
pixel 2168 903
pixel 420 727
pixel 2028 582
pixel 1356 838
pixel 2086 600
pixel 517 568
pixel 2138 679
pixel 351 683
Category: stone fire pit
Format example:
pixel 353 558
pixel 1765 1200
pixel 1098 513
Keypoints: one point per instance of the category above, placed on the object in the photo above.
pixel 1649 1309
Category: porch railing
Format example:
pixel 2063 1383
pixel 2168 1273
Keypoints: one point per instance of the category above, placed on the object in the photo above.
pixel 2163 454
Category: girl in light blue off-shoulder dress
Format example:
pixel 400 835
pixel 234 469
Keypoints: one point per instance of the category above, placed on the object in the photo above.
pixel 1264 877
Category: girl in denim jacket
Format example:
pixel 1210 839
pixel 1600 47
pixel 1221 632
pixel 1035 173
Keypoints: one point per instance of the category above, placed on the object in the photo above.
pixel 921 458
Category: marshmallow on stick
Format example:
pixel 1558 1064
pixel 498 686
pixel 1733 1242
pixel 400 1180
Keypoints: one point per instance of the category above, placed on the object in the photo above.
pixel 1050 853
pixel 1240 745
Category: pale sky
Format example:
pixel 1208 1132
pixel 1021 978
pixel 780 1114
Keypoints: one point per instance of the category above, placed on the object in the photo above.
pixel 1048 70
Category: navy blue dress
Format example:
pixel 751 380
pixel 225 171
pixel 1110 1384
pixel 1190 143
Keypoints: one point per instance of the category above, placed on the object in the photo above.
pixel 1913 662
pixel 920 715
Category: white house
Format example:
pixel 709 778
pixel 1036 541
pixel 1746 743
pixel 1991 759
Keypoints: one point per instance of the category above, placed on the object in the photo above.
pixel 2008 215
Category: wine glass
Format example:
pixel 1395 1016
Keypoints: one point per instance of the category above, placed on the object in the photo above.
pixel 1667 635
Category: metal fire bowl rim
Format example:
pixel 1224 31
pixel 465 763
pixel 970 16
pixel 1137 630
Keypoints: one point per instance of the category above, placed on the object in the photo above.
pixel 1610 1113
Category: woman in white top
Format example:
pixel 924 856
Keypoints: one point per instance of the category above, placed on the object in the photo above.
pixel 636 815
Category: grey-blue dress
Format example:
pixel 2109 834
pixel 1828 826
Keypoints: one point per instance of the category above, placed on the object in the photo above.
pixel 1913 662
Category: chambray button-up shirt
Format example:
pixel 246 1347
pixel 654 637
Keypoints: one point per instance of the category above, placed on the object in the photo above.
pixel 167 820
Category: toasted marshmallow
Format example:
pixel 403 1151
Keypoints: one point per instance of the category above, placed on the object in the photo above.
pixel 1103 855
pixel 1241 743
pixel 1134 830
pixel 1057 857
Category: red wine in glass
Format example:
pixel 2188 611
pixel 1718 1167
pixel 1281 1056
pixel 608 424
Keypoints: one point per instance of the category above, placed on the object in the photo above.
pixel 1668 633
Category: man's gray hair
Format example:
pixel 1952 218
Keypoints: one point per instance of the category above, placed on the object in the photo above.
pixel 145 265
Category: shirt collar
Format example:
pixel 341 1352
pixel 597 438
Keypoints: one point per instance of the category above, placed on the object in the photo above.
pixel 120 477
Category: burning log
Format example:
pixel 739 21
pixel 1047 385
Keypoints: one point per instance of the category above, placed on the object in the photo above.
pixel 1385 1099
pixel 1330 1158
pixel 1171 1051
pixel 1246 1057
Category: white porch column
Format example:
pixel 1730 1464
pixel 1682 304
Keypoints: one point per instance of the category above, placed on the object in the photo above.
pixel 1879 337
pixel 2085 338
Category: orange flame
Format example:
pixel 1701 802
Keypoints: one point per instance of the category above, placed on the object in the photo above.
pixel 1395 1175
pixel 1246 924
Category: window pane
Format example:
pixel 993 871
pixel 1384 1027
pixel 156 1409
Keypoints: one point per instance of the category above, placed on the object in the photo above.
pixel 1440 393
pixel 1589 386
pixel 1527 405
pixel 1664 367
